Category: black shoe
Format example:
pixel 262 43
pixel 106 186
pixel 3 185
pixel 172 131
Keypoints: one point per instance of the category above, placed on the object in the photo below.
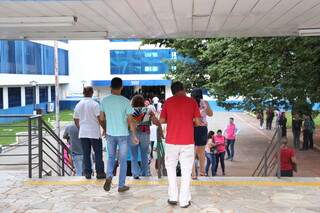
pixel 172 203
pixel 136 178
pixel 123 189
pixel 186 206
pixel 101 175
pixel 88 176
pixel 107 184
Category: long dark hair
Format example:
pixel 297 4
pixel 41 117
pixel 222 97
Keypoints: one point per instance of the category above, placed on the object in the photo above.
pixel 196 94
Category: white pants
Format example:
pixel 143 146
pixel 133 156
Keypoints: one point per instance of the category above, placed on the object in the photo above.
pixel 185 155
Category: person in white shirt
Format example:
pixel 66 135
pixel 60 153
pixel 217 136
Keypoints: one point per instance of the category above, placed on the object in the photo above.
pixel 86 118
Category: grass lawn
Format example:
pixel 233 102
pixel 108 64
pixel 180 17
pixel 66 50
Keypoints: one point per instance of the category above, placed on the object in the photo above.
pixel 8 131
pixel 289 120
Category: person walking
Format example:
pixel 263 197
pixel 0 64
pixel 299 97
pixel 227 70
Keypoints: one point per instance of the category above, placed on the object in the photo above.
pixel 116 116
pixel 282 121
pixel 86 118
pixel 308 129
pixel 143 117
pixel 269 118
pixel 260 117
pixel 71 134
pixel 220 144
pixel 288 162
pixel 211 154
pixel 296 130
pixel 201 132
pixel 230 132
pixel 181 114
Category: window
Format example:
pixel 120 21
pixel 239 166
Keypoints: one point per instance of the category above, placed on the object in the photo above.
pixel 53 93
pixel 26 57
pixel 1 98
pixel 14 94
pixel 43 93
pixel 29 95
pixel 140 61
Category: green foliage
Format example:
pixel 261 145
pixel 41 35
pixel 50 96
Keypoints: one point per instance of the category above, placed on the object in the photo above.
pixel 263 71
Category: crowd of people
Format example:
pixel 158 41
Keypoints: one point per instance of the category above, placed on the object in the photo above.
pixel 132 127
pixel 301 123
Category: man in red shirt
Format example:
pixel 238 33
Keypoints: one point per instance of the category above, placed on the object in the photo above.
pixel 288 160
pixel 181 114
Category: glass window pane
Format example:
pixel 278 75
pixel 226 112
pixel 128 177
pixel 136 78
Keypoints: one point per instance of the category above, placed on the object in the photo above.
pixel 14 94
pixel 43 93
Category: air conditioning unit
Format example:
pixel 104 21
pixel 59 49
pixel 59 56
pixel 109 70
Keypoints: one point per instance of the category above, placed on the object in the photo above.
pixel 50 107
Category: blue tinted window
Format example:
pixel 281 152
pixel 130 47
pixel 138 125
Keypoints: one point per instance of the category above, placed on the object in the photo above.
pixel 29 95
pixel 53 93
pixel 26 57
pixel 140 61
pixel 1 98
pixel 43 93
pixel 14 94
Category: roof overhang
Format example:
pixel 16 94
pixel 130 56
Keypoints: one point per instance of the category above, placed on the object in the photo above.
pixel 100 19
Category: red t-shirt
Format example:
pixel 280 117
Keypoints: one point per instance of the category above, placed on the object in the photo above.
pixel 285 155
pixel 179 112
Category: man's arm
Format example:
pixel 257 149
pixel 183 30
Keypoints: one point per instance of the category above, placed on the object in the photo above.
pixel 77 122
pixel 66 134
pixel 209 110
pixel 197 121
pixel 102 121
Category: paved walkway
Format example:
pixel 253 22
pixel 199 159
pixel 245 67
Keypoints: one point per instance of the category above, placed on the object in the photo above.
pixel 252 143
pixel 215 195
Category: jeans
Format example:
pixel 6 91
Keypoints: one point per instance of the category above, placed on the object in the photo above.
pixel 185 155
pixel 220 157
pixel 113 142
pixel 269 123
pixel 96 144
pixel 144 145
pixel 230 148
pixel 296 139
pixel 211 160
pixel 77 160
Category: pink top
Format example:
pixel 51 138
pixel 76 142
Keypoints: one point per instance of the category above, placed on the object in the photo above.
pixel 220 143
pixel 231 132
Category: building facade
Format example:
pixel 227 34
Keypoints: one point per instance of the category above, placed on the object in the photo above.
pixel 142 68
pixel 27 75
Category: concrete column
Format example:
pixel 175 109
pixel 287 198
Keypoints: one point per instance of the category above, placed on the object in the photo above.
pixel 5 98
pixel 37 95
pixel 23 96
pixel 49 94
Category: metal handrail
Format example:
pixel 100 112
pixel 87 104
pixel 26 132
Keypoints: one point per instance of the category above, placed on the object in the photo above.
pixel 271 157
pixel 36 127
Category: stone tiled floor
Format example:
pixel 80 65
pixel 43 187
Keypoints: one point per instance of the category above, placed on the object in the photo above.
pixel 219 195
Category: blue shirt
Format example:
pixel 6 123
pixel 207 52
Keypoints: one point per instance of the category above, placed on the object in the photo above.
pixel 116 108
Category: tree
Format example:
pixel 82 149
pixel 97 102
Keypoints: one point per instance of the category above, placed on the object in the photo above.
pixel 279 72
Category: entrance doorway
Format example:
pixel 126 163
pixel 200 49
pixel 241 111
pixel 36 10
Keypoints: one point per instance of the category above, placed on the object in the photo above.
pixel 152 91
pixel 128 92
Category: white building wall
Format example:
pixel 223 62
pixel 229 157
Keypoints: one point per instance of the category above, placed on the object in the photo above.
pixel 88 60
